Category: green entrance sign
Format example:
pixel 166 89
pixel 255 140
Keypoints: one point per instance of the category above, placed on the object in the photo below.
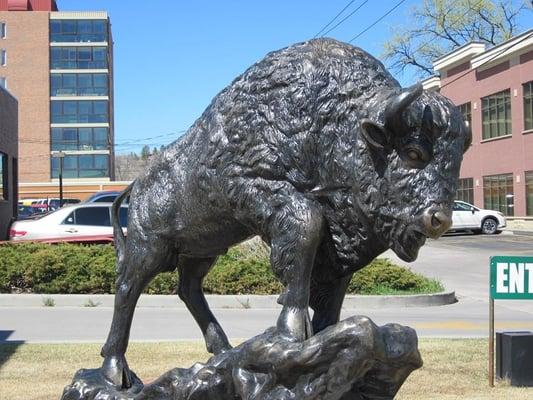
pixel 511 278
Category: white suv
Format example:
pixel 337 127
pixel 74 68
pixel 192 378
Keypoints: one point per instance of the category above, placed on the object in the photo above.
pixel 468 217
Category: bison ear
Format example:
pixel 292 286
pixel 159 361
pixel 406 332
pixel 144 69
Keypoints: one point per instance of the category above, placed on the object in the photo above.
pixel 374 134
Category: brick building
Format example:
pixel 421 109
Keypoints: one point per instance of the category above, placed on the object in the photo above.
pixel 494 89
pixel 59 65
pixel 8 160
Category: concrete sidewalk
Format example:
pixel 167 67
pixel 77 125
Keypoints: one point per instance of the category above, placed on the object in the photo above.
pixel 217 301
pixel 466 318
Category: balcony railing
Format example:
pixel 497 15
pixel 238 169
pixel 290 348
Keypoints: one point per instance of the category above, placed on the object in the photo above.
pixel 89 91
pixel 78 38
pixel 79 118
pixel 79 64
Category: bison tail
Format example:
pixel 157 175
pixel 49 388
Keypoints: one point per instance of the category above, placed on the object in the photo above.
pixel 120 238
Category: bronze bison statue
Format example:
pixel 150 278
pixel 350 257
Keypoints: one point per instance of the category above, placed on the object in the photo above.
pixel 316 149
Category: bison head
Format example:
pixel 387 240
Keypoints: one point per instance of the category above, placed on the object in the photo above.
pixel 416 143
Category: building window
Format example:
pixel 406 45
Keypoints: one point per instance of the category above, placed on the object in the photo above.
pixel 466 110
pixel 529 193
pixel 528 105
pixel 3 57
pixel 78 57
pixel 78 85
pixel 3 30
pixel 496 114
pixel 80 139
pixel 82 166
pixel 465 190
pixel 498 193
pixel 4 174
pixel 3 82
pixel 82 111
pixel 78 30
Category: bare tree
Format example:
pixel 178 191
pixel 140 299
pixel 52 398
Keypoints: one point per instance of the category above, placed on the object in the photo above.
pixel 129 166
pixel 437 27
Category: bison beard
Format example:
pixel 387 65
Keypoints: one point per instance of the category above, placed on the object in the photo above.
pixel 316 149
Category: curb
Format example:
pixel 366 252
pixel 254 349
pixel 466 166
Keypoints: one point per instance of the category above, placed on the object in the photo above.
pixel 220 301
pixel 523 233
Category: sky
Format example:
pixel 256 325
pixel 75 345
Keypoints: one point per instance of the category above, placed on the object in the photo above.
pixel 172 57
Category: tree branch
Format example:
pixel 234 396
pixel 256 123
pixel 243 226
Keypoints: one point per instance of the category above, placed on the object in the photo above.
pixel 443 25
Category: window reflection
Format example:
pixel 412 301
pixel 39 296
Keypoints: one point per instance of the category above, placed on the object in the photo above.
pixel 78 31
pixel 78 57
pixel 498 193
pixel 80 139
pixel 82 111
pixel 82 166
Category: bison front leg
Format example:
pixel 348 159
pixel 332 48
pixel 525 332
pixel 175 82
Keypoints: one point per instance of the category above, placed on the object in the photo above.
pixel 295 233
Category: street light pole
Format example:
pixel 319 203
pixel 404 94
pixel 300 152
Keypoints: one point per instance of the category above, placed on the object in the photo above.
pixel 61 156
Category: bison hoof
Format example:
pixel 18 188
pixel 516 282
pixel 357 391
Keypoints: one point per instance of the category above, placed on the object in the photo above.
pixel 217 348
pixel 216 339
pixel 115 370
pixel 295 324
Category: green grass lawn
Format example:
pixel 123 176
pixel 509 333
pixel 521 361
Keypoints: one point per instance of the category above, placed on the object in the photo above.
pixel 453 369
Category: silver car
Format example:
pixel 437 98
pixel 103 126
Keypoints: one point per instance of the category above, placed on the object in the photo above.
pixel 84 222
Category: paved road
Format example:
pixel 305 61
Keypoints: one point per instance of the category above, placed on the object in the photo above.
pixel 459 261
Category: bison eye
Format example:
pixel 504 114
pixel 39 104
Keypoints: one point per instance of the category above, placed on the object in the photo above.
pixel 416 156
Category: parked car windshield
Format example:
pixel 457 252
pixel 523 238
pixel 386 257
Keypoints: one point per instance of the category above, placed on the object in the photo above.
pixel 461 207
pixel 464 206
pixel 106 199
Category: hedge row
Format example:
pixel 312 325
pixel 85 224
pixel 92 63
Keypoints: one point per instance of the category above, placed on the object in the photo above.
pixel 69 268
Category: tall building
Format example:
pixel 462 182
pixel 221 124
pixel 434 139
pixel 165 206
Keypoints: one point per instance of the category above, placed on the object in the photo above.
pixel 59 65
pixel 494 89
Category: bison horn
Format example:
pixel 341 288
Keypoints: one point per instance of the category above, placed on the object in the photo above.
pixel 394 111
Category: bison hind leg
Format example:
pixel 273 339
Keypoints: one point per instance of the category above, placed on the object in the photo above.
pixel 142 261
pixel 192 271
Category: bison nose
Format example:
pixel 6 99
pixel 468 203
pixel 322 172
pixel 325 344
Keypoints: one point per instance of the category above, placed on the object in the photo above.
pixel 436 221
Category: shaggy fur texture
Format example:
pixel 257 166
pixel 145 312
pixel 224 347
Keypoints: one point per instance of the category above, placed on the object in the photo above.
pixel 290 123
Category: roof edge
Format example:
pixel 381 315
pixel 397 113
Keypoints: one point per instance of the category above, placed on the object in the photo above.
pixel 458 56
pixel 500 53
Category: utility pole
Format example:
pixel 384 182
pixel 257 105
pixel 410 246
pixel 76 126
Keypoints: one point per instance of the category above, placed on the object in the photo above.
pixel 61 156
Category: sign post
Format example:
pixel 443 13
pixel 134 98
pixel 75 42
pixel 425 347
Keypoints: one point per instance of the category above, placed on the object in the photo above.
pixel 61 156
pixel 511 278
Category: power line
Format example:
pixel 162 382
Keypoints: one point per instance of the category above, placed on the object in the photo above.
pixel 133 141
pixel 336 16
pixel 128 142
pixel 424 44
pixel 376 21
pixel 345 18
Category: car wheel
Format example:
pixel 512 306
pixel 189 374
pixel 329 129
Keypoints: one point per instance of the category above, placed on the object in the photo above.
pixel 489 226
